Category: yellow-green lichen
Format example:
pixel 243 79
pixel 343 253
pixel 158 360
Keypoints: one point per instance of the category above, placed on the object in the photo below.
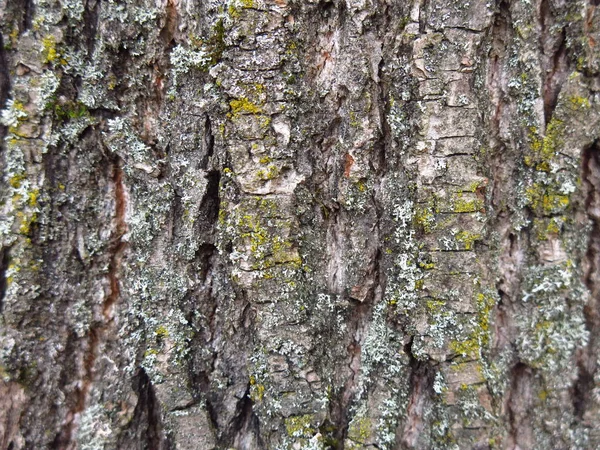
pixel 257 390
pixel 162 332
pixel 473 346
pixel 544 228
pixel 300 426
pixel 243 106
pixel 360 429
pixel 578 103
pixel 257 230
pixel 49 51
pixel 466 205
pixel 544 149
pixel 545 200
pixel 270 173
pixel 424 217
pixel 467 238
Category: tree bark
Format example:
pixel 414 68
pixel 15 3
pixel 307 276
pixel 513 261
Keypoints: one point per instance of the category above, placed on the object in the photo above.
pixel 300 224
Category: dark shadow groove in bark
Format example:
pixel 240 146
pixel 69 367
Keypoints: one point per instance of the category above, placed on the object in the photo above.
pixel 4 86
pixel 357 324
pixel 246 425
pixel 28 12
pixel 95 334
pixel 211 202
pixel 209 143
pixel 22 12
pixel 167 33
pixel 587 365
pixel 422 375
pixel 91 15
pixel 146 430
pixel 519 406
pixel 553 49
pixel 4 259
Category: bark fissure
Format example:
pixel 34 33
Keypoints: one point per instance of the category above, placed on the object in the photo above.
pixel 421 378
pixel 587 365
pixel 95 335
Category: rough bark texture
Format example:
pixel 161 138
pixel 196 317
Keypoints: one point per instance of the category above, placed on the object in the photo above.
pixel 300 224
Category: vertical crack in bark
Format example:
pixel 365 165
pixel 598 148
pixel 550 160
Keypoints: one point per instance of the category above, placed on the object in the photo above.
pixel 118 245
pixel 22 12
pixel 95 334
pixel 211 202
pixel 357 331
pixel 91 15
pixel 209 143
pixel 167 33
pixel 4 259
pixel 246 425
pixel 519 407
pixel 4 87
pixel 587 364
pixel 554 50
pixel 28 12
pixel 421 393
pixel 146 428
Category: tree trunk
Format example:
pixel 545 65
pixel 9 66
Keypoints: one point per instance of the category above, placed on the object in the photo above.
pixel 300 224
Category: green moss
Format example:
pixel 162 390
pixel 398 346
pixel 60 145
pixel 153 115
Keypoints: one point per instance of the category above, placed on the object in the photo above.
pixel 547 227
pixel 256 229
pixel 473 186
pixel 578 103
pixel 70 110
pixel 271 173
pixel 427 265
pixel 434 305
pixel 26 222
pixel 235 13
pixel 16 180
pixel 216 44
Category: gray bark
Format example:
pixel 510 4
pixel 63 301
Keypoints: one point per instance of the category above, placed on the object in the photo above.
pixel 300 224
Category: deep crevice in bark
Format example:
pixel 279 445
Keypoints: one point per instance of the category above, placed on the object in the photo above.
pixel 4 86
pixel 95 334
pixel 146 430
pixel 167 32
pixel 211 201
pixel 209 143
pixel 587 356
pixel 22 12
pixel 357 324
pixel 421 393
pixel 519 406
pixel 91 15
pixel 4 260
pixel 246 425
